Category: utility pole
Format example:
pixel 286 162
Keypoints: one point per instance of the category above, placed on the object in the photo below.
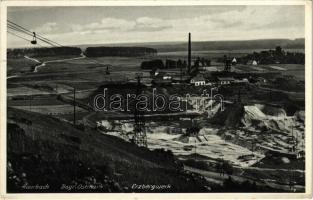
pixel 291 172
pixel 189 53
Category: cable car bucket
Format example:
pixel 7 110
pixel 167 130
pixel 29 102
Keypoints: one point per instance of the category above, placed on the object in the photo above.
pixel 34 41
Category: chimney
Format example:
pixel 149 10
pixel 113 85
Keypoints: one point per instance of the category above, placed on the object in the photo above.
pixel 189 53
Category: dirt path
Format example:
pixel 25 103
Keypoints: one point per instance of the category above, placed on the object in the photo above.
pixel 82 56
pixel 215 177
pixel 52 61
pixel 284 91
pixel 271 169
pixel 13 76
pixel 32 59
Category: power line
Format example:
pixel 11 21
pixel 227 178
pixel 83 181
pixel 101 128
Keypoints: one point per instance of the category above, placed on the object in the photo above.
pixel 38 35
pixel 27 32
pixel 24 30
pixel 19 36
pixel 19 30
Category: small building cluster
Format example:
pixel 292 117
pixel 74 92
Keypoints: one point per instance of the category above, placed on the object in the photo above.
pixel 205 79
pixel 199 72
pixel 198 80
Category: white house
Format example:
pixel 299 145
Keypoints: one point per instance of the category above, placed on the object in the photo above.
pixel 162 75
pixel 234 61
pixel 252 62
pixel 167 77
pixel 198 80
pixel 241 81
pixel 225 80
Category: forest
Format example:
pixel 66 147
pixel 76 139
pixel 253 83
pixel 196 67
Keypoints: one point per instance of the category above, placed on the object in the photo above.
pixel 277 56
pixel 42 52
pixel 119 51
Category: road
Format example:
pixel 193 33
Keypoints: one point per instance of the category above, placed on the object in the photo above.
pixel 82 56
pixel 216 178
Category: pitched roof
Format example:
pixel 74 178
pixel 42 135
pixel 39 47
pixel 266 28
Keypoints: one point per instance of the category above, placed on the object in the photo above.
pixel 225 78
pixel 198 78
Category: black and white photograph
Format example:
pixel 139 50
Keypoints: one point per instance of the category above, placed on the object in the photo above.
pixel 157 98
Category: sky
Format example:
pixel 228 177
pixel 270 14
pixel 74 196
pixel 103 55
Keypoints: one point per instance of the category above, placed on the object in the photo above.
pixel 131 24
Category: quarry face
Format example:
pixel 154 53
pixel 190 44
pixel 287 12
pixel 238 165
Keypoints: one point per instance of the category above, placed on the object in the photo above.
pixel 261 128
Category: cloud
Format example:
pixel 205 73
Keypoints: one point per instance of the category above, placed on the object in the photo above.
pixel 104 25
pixel 47 27
pixel 151 24
pixel 249 22
pixel 113 24
pixel 260 17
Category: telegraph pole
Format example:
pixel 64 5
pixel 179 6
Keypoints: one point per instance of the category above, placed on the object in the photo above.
pixel 291 172
pixel 189 52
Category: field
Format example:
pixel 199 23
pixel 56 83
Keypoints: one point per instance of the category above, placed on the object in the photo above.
pixel 47 95
pixel 19 65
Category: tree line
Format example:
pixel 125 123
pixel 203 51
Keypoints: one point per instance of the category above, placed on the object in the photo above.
pixel 119 51
pixel 41 52
pixel 89 52
pixel 277 56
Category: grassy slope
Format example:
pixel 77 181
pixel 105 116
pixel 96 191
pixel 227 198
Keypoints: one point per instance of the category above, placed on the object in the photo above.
pixel 44 150
pixel 19 65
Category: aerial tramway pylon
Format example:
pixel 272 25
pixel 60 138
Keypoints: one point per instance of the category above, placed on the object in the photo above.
pixel 139 137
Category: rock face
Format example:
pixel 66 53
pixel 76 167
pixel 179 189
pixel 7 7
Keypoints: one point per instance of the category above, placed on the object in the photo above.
pixel 271 110
pixel 266 117
pixel 230 117
pixel 106 124
pixel 257 116
pixel 262 127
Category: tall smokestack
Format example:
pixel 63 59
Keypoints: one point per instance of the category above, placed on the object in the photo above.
pixel 189 52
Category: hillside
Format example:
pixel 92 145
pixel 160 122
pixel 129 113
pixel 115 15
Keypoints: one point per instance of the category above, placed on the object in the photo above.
pixel 215 45
pixel 46 151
